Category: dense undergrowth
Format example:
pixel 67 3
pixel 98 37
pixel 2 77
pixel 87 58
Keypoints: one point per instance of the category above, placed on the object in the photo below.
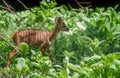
pixel 91 49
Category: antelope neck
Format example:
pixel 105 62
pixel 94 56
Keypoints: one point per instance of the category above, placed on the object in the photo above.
pixel 54 32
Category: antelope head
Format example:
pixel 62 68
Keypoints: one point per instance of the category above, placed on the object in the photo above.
pixel 61 25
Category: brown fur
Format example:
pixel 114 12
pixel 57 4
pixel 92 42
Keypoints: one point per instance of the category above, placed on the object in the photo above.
pixel 37 38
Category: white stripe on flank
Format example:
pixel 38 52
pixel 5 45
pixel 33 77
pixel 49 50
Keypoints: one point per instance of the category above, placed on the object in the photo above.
pixel 22 34
pixel 38 36
pixel 18 39
pixel 41 35
pixel 35 37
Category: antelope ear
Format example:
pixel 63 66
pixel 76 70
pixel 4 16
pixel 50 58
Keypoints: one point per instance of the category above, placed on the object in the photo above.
pixel 58 20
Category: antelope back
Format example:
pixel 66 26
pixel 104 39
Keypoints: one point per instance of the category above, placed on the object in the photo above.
pixel 31 37
pixel 61 25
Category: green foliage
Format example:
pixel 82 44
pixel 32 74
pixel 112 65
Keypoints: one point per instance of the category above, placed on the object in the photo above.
pixel 24 47
pixel 91 49
pixel 98 66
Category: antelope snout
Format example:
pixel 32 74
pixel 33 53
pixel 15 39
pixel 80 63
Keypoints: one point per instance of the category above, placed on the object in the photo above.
pixel 67 29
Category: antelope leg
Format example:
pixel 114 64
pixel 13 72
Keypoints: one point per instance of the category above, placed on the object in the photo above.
pixel 11 55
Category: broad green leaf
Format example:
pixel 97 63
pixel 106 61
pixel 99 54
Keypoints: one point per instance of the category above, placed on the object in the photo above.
pixel 21 62
pixel 63 74
pixel 24 47
pixel 68 54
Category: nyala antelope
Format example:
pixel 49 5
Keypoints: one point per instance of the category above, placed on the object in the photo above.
pixel 38 38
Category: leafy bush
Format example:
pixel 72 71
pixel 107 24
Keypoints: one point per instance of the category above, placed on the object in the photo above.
pixel 89 50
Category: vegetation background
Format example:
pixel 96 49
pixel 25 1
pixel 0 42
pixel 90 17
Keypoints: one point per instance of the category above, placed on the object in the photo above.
pixel 91 49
